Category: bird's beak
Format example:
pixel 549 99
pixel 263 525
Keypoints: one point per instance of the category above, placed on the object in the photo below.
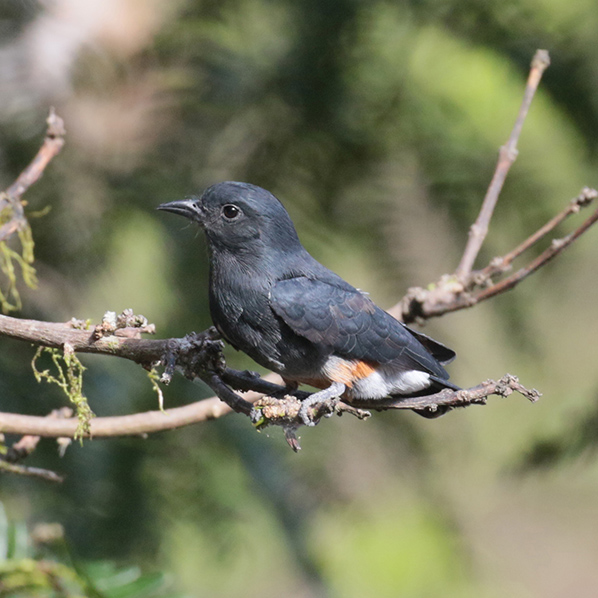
pixel 184 207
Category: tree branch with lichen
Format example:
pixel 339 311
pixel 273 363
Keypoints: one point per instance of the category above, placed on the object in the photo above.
pixel 199 356
pixel 13 220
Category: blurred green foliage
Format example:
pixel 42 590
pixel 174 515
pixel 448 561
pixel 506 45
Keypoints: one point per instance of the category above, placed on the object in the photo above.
pixel 38 565
pixel 377 124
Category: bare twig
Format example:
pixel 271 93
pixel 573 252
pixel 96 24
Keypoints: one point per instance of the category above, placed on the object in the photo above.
pixel 449 295
pixel 504 387
pixel 500 265
pixel 138 424
pixel 11 199
pixel 507 155
pixel 34 472
pixel 21 449
pixel 556 247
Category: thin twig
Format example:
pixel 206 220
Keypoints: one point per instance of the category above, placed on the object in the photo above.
pixel 448 295
pixel 21 449
pixel 502 264
pixel 507 155
pixel 504 387
pixel 224 393
pixel 34 472
pixel 556 247
pixel 53 143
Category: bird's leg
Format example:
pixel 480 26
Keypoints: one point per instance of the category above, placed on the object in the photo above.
pixel 324 398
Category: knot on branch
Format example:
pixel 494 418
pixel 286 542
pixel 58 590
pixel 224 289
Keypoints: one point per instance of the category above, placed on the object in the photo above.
pixel 585 198
pixel 195 355
pixel 125 324
pixel 419 304
pixel 56 129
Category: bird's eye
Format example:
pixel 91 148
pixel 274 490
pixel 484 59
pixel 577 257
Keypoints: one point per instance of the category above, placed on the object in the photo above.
pixel 230 211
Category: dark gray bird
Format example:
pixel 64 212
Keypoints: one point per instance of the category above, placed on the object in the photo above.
pixel 272 300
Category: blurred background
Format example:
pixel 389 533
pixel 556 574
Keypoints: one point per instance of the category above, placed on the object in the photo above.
pixel 377 124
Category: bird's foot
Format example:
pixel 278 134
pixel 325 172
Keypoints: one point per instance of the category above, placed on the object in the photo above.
pixel 322 403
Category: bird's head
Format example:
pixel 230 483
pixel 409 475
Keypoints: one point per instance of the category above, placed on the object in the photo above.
pixel 239 218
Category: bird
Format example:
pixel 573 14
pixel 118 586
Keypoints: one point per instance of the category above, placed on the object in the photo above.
pixel 272 300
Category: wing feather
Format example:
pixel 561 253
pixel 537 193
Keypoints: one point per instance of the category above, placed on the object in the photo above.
pixel 353 326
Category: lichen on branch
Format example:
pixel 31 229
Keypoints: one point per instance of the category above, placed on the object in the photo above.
pixel 10 298
pixel 69 377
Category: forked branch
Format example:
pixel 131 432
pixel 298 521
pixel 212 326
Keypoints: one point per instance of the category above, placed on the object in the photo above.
pixel 506 157
pixel 449 294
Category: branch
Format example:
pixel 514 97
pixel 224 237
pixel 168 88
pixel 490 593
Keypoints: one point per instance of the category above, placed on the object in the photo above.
pixel 507 385
pixel 194 354
pixel 504 387
pixel 556 247
pixel 285 412
pixel 11 199
pixel 125 342
pixel 503 264
pixel 199 355
pixel 34 472
pixel 138 424
pixel 449 295
pixel 506 157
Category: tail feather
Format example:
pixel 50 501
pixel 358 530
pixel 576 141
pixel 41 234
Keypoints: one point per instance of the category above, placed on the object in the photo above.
pixel 439 351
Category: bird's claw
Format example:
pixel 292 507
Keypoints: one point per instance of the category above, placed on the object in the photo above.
pixel 319 409
pixel 321 404
pixel 305 416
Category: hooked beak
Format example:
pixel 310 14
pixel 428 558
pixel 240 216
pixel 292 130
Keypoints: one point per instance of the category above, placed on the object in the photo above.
pixel 184 207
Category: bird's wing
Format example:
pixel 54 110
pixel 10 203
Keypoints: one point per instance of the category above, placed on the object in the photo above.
pixel 352 325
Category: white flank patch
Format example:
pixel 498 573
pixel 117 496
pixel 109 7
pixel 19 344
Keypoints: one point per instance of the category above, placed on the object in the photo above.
pixel 382 384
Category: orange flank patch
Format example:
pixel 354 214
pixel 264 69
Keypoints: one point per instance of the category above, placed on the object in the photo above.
pixel 340 370
pixel 347 372
pixel 362 369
